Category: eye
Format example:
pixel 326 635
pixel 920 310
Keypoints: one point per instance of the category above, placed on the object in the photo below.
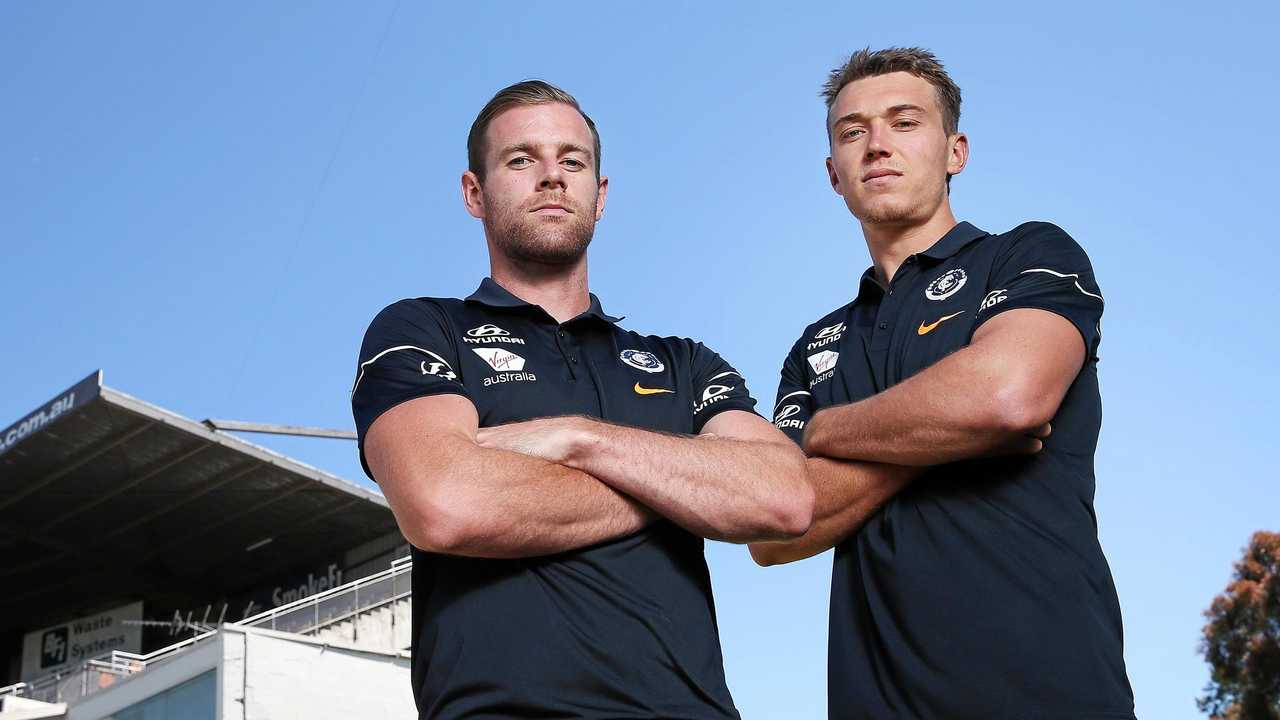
pixel 850 133
pixel 905 124
pixel 519 161
pixel 575 164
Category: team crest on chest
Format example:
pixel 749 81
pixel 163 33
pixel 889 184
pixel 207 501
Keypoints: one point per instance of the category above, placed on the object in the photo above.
pixel 642 360
pixel 946 285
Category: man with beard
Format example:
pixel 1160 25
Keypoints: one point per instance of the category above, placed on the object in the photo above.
pixel 557 561
pixel 979 589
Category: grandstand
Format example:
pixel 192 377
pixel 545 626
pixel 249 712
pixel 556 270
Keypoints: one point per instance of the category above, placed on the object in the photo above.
pixel 155 566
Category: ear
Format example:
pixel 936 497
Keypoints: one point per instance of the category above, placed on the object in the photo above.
pixel 958 155
pixel 831 175
pixel 600 197
pixel 473 195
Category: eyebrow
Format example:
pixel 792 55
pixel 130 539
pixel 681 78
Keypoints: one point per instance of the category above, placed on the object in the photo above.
pixel 895 110
pixel 564 149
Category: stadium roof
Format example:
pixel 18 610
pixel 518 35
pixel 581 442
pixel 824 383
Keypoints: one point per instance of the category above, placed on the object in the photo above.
pixel 105 498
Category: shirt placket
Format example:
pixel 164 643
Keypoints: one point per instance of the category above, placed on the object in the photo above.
pixel 886 323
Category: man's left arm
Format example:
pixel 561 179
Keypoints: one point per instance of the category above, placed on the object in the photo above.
pixel 738 479
pixel 1034 331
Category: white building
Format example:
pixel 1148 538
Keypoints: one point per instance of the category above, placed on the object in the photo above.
pixel 156 567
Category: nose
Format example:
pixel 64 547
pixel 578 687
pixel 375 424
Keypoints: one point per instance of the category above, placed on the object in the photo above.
pixel 878 142
pixel 552 177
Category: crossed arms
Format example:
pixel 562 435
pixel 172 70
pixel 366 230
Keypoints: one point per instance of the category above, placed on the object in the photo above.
pixel 555 484
pixel 995 396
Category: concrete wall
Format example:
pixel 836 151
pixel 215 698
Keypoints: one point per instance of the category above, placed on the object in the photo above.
pixel 269 675
pixel 277 676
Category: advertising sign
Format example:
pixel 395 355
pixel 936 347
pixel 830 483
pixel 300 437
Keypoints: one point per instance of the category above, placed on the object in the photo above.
pixel 79 394
pixel 63 647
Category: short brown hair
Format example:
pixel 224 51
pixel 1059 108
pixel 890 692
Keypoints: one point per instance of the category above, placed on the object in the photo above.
pixel 916 61
pixel 527 92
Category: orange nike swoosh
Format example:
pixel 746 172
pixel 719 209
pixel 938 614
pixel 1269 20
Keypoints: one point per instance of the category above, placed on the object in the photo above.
pixel 926 329
pixel 650 391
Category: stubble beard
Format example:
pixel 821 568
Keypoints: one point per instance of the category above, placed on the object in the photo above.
pixel 902 211
pixel 526 238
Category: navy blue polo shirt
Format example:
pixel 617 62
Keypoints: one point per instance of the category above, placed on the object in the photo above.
pixel 621 629
pixel 979 591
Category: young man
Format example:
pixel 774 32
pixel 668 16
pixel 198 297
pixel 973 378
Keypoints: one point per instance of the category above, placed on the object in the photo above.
pixel 557 562
pixel 978 589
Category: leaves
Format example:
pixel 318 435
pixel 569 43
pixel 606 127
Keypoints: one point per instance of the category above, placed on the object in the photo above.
pixel 1241 640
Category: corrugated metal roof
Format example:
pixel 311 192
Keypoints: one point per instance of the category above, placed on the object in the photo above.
pixel 104 498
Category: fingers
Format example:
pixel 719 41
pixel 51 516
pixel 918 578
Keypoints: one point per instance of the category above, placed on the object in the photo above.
pixel 1042 431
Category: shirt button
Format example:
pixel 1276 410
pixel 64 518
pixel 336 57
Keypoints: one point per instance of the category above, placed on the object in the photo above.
pixel 574 360
pixel 884 326
pixel 561 334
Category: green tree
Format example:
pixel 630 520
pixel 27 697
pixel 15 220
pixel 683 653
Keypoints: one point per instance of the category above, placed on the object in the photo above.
pixel 1242 638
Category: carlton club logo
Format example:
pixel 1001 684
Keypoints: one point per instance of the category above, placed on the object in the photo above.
pixel 642 360
pixel 948 284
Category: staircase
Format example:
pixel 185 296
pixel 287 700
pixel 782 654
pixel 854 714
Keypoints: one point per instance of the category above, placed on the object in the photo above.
pixel 371 613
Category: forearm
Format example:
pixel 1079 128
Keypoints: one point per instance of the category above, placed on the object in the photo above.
pixel 846 494
pixel 499 504
pixel 716 487
pixel 958 408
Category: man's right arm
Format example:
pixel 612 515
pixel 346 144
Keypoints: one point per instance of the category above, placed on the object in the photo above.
pixel 417 428
pixel 449 495
pixel 846 493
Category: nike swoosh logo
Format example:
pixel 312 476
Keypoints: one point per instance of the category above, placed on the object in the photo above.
pixel 926 329
pixel 650 391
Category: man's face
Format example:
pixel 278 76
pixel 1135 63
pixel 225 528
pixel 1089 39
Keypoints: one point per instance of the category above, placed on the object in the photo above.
pixel 540 198
pixel 890 154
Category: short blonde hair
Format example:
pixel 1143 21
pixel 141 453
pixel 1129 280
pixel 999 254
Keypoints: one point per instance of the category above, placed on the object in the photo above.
pixel 528 92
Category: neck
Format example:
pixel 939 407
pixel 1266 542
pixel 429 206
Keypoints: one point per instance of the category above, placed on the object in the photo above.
pixel 560 290
pixel 891 244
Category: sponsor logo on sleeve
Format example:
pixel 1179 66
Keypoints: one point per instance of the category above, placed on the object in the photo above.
pixel 716 391
pixel 993 298
pixel 437 365
pixel 439 369
pixel 509 365
pixel 946 285
pixel 823 364
pixel 642 360
pixel 827 335
pixel 641 390
pixel 785 418
pixel 486 334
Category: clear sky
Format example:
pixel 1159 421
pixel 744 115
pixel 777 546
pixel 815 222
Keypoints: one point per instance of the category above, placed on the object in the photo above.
pixel 210 201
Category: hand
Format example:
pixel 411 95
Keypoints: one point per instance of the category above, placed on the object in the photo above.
pixel 555 439
pixel 1029 444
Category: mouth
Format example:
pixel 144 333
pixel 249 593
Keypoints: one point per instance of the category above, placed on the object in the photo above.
pixel 552 209
pixel 880 173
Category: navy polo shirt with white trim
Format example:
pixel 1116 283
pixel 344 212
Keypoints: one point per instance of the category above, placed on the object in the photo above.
pixel 621 629
pixel 979 591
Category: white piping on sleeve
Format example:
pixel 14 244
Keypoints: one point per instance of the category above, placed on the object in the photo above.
pixel 784 399
pixel 391 350
pixel 1064 275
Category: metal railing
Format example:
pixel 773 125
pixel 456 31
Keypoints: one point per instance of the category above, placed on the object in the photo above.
pixel 304 616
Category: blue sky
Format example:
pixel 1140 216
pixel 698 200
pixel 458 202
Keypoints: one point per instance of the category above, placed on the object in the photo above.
pixel 210 202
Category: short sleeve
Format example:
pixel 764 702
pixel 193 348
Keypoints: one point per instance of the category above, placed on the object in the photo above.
pixel 407 353
pixel 794 405
pixel 1043 268
pixel 716 387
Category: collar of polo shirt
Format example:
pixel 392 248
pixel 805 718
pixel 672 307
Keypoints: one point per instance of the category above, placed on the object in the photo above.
pixel 953 242
pixel 492 294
